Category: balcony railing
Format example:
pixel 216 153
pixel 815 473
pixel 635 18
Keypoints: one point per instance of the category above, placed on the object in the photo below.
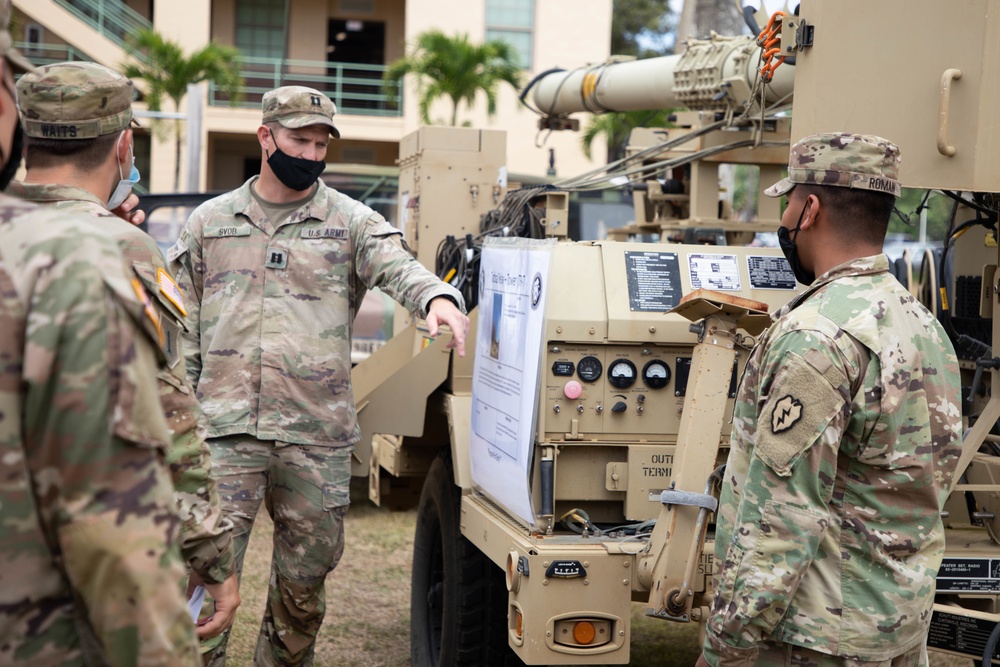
pixel 355 89
pixel 46 54
pixel 111 18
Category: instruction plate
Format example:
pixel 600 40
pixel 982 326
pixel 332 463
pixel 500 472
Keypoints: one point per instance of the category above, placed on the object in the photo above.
pixel 769 272
pixel 654 281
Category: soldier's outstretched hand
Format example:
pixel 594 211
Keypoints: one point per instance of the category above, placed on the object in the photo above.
pixel 443 310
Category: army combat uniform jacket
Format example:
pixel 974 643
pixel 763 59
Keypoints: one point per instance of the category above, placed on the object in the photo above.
pixel 270 310
pixel 90 571
pixel 846 435
pixel 205 534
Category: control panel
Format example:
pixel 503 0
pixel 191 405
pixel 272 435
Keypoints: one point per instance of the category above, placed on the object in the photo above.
pixel 633 392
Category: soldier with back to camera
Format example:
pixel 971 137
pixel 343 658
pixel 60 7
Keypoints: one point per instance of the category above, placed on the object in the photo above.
pixel 846 435
pixel 79 154
pixel 275 272
pixel 91 572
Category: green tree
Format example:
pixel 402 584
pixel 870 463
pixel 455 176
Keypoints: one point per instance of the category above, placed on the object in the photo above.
pixel 639 27
pixel 167 72
pixel 615 128
pixel 455 68
pixel 700 17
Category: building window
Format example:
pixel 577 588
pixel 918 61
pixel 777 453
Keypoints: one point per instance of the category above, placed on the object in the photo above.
pixel 512 21
pixel 33 37
pixel 260 28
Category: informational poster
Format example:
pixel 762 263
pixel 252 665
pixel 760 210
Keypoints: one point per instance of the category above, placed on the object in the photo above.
pixel 513 280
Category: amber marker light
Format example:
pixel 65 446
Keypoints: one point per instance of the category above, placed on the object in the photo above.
pixel 519 624
pixel 584 632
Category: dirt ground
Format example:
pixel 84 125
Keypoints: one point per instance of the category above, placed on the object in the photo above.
pixel 368 600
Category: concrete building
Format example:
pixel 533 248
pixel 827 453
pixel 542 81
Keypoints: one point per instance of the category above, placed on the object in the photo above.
pixel 338 46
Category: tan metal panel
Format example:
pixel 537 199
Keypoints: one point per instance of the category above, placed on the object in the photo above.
pixel 895 90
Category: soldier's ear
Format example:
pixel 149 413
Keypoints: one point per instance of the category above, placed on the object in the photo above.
pixel 124 145
pixel 811 211
pixel 263 136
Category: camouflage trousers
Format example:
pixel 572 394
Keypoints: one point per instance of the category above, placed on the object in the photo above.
pixel 775 654
pixel 306 490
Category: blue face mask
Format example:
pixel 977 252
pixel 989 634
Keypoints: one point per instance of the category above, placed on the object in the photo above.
pixel 125 185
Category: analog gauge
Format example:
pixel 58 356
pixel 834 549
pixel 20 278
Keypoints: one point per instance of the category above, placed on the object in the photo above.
pixel 589 369
pixel 656 374
pixel 621 374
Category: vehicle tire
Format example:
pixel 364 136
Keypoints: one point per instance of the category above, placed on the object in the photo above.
pixel 458 600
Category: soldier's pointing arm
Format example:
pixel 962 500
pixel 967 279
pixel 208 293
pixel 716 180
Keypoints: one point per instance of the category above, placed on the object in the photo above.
pixel 382 261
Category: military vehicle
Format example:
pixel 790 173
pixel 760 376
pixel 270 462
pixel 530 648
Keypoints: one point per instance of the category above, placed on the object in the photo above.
pixel 607 410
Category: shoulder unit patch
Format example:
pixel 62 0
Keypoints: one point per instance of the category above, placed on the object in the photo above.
pixel 787 411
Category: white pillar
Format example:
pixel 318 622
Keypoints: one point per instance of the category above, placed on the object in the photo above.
pixel 187 22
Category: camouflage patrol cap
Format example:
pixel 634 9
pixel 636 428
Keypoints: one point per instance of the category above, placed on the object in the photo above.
pixel 298 106
pixel 17 62
pixel 75 100
pixel 841 159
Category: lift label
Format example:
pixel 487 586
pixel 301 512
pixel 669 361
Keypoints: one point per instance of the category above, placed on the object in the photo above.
pixel 966 575
pixel 718 272
pixel 770 272
pixel 654 281
pixel 960 634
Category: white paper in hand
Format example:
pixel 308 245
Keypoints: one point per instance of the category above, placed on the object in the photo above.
pixel 195 601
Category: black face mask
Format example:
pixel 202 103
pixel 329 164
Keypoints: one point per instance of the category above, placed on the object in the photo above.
pixel 12 161
pixel 791 252
pixel 295 173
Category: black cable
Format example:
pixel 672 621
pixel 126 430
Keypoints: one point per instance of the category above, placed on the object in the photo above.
pixel 532 83
pixel 943 279
pixel 907 219
pixel 751 21
pixel 991 645
pixel 990 213
pixel 972 347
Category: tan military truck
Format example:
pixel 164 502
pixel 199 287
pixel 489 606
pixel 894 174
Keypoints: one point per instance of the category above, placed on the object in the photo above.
pixel 628 385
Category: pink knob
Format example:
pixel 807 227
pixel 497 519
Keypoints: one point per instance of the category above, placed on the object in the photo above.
pixel 572 390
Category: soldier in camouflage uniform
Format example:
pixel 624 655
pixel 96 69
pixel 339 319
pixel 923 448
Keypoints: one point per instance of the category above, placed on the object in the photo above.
pixel 78 152
pixel 846 435
pixel 90 571
pixel 275 271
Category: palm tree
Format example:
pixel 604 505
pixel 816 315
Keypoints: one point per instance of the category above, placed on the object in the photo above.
pixel 615 128
pixel 167 72
pixel 456 68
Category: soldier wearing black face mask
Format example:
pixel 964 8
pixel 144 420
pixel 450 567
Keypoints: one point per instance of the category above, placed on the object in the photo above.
pixel 847 422
pixel 272 274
